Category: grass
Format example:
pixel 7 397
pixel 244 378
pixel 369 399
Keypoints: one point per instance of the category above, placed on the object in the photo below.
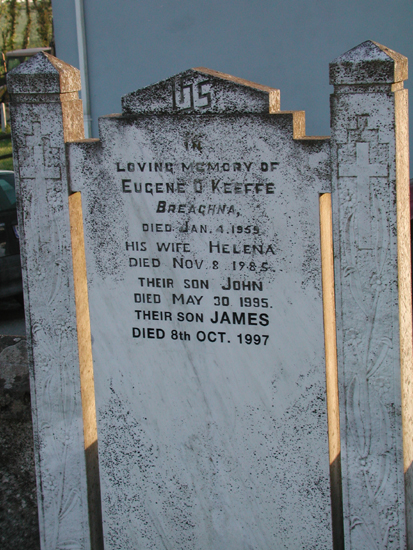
pixel 5 147
pixel 21 23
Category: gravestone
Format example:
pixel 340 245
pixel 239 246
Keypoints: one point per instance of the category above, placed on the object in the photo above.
pixel 206 314
pixel 211 319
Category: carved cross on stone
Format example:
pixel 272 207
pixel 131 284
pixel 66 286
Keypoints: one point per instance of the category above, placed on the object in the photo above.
pixel 41 160
pixel 363 171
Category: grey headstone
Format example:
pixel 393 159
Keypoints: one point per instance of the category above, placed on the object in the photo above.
pixel 202 234
pixel 201 218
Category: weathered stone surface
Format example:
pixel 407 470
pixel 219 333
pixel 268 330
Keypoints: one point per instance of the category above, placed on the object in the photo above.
pixel 206 317
pixel 202 240
pixel 18 504
pixel 368 63
pixel 203 91
pixel 39 132
pixel 369 216
pixel 43 74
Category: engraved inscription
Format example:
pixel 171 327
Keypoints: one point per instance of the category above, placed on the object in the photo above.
pixel 186 97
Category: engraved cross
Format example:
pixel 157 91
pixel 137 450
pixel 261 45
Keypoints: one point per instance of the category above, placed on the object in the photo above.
pixel 363 171
pixel 39 159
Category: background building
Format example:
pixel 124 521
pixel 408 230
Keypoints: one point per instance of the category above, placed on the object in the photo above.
pixel 288 45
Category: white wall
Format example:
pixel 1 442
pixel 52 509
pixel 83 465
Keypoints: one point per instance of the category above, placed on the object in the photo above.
pixel 287 44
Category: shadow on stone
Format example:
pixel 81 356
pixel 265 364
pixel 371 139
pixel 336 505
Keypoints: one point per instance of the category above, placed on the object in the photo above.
pixel 95 508
pixel 337 504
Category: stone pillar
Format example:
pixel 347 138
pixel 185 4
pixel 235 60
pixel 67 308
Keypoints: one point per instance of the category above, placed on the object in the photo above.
pixel 45 113
pixel 370 196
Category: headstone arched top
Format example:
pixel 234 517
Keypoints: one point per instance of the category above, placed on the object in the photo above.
pixel 202 91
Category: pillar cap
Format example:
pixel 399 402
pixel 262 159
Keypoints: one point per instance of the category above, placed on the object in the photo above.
pixel 368 63
pixel 43 74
